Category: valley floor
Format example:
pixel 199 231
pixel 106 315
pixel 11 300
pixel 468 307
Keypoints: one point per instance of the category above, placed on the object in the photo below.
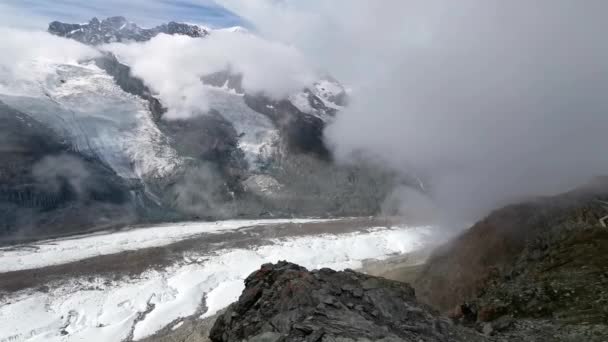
pixel 132 284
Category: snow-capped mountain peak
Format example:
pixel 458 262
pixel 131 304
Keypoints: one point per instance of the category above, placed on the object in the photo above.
pixel 119 29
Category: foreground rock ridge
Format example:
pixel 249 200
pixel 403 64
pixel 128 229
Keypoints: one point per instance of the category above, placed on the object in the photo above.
pixel 286 302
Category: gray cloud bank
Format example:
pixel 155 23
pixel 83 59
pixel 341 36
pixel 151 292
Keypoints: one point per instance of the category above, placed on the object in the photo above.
pixel 173 66
pixel 488 101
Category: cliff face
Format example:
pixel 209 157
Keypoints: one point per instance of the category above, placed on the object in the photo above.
pixel 286 302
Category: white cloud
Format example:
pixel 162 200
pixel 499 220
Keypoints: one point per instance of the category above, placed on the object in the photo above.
pixel 20 48
pixel 352 39
pixel 173 65
pixel 491 100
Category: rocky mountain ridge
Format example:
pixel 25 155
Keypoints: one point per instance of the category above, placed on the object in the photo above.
pixel 286 302
pixel 119 29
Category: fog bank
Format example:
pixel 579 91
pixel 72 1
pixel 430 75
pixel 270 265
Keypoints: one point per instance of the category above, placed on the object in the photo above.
pixel 173 66
pixel 487 101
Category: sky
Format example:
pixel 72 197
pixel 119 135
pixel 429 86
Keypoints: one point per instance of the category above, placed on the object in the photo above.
pixel 36 14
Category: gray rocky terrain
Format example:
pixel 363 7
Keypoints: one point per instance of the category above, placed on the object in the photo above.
pixel 286 302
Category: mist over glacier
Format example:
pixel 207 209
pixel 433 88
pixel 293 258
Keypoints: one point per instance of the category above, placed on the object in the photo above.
pixel 20 47
pixel 487 101
pixel 271 68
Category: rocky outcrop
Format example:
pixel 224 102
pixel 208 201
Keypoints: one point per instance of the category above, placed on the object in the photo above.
pixel 286 302
pixel 118 29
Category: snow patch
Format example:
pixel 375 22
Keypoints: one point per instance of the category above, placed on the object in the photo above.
pixel 327 91
pixel 300 101
pixel 258 136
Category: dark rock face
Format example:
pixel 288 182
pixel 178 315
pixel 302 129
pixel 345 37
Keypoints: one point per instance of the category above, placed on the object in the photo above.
pixel 286 302
pixel 118 29
pixel 183 29
pixel 212 140
pixel 302 133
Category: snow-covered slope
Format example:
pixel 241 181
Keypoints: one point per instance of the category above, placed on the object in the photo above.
pixel 98 117
pixel 114 309
pixel 258 136
pixel 323 100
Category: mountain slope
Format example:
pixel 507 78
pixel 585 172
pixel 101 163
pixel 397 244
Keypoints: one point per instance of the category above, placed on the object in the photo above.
pixel 248 155
pixel 537 270
pixel 44 180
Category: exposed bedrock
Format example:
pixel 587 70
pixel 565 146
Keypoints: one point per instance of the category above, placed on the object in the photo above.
pixel 286 302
